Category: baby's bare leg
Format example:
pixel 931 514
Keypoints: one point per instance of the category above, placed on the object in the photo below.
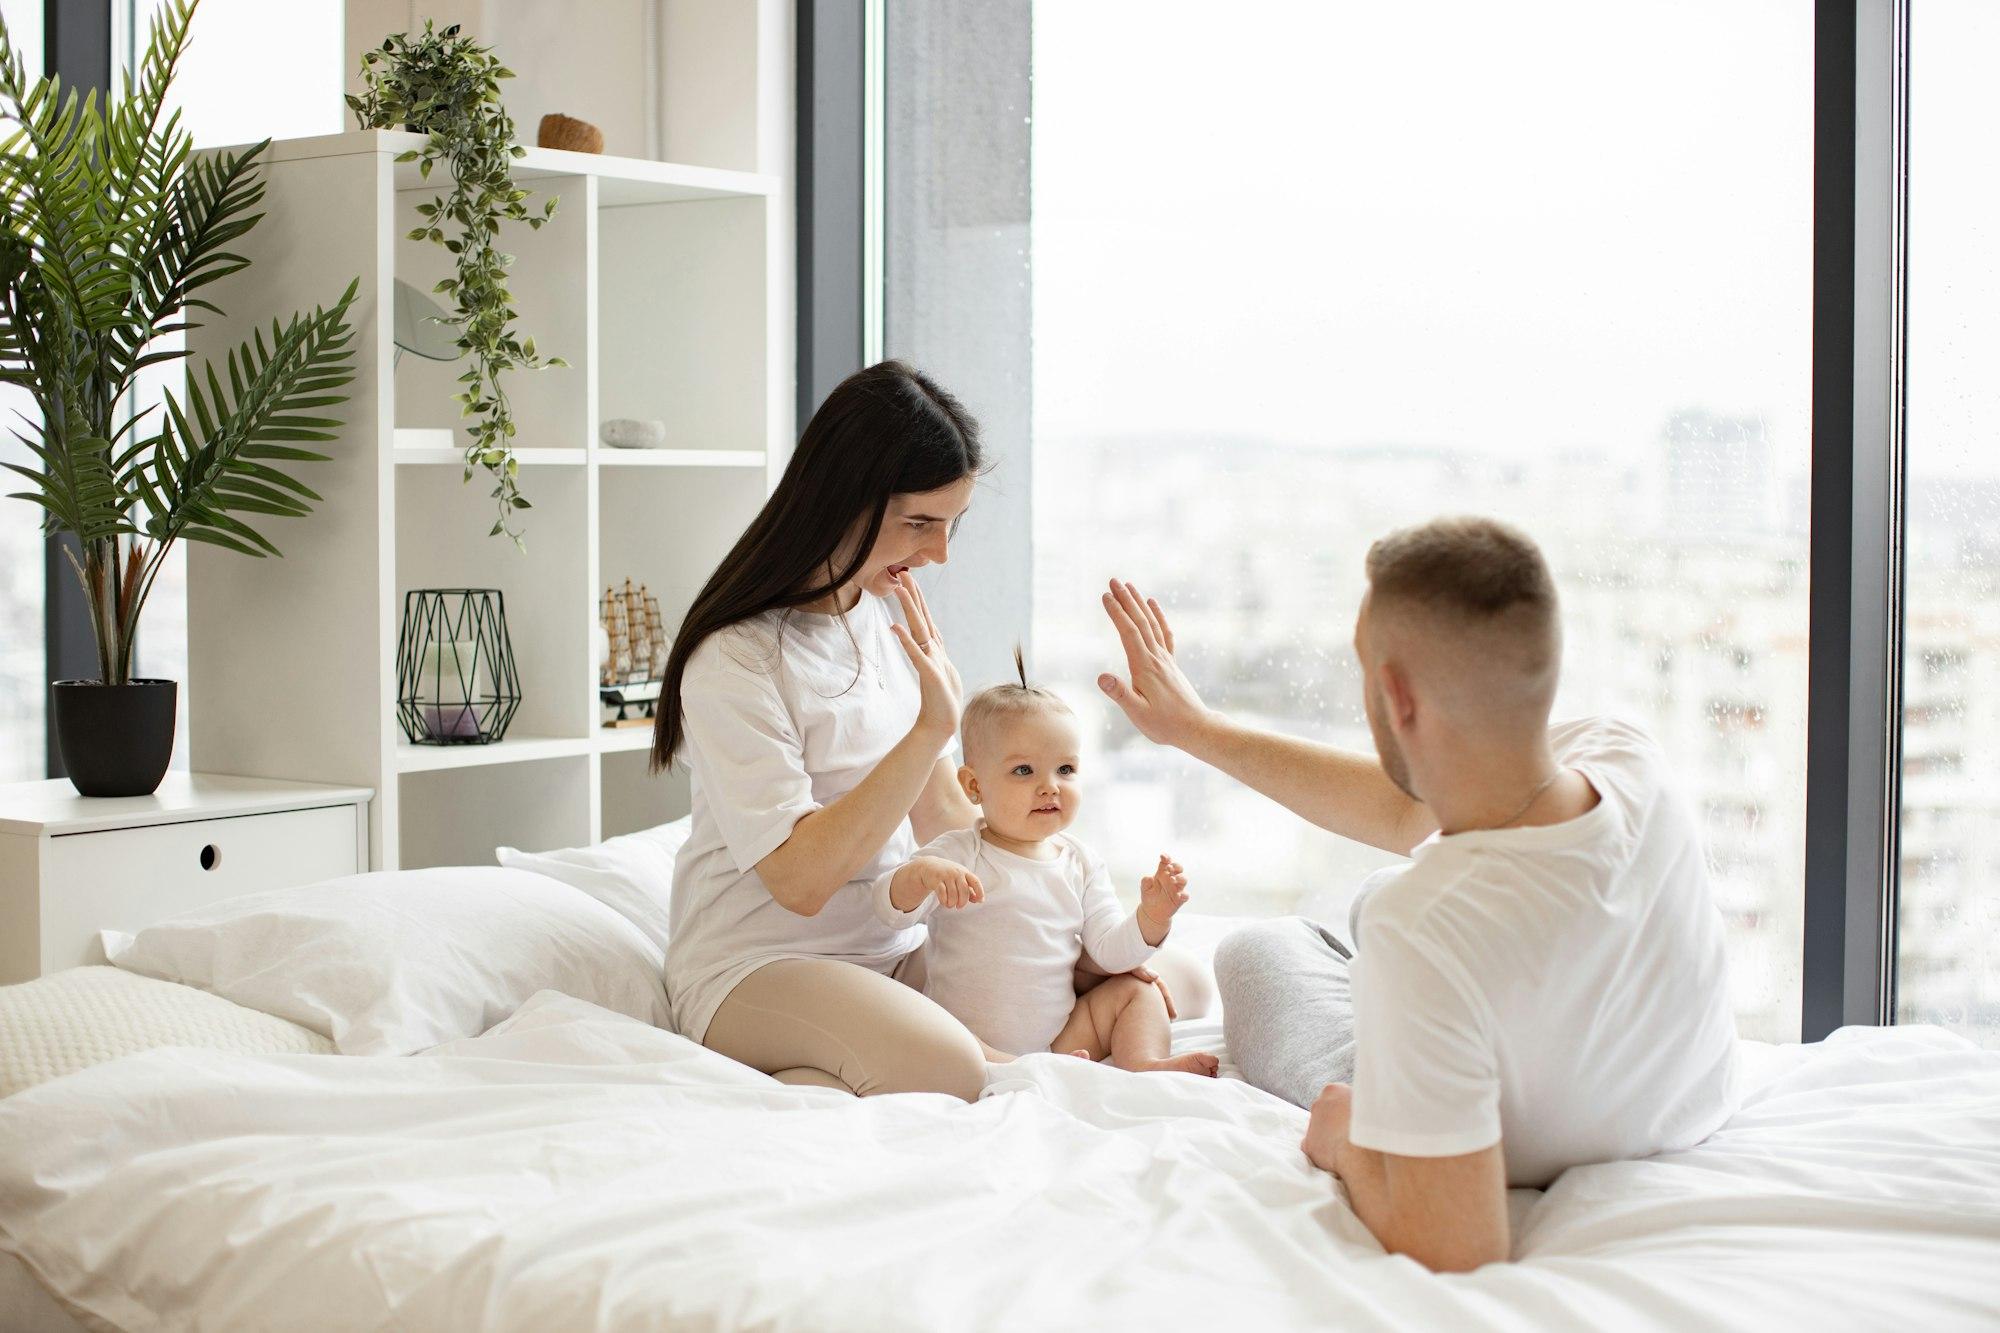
pixel 1082 1035
pixel 1126 1019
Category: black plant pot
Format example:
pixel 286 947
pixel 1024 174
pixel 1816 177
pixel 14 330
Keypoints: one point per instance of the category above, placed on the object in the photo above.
pixel 116 740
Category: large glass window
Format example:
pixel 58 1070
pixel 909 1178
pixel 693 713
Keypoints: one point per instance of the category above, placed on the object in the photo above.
pixel 1316 271
pixel 23 666
pixel 1948 895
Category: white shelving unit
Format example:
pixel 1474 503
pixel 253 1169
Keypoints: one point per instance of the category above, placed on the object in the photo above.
pixel 668 290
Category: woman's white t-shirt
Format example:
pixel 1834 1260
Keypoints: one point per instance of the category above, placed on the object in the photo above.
pixel 784 713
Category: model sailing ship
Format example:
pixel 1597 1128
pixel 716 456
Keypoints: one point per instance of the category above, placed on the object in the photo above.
pixel 629 678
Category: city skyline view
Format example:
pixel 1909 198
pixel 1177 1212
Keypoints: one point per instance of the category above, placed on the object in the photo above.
pixel 1266 635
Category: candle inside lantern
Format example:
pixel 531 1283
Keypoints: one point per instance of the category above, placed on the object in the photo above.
pixel 456 678
pixel 451 722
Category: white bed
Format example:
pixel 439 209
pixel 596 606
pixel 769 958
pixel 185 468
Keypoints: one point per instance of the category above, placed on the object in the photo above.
pixel 180 1162
pixel 577 1169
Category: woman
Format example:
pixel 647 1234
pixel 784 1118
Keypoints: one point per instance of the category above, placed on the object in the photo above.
pixel 816 728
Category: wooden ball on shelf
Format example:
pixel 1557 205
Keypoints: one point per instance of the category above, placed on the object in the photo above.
pixel 578 136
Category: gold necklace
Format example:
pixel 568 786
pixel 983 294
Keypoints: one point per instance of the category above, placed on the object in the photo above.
pixel 1533 796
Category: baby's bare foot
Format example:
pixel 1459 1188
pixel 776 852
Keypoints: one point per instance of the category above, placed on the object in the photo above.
pixel 1194 1062
pixel 1081 1055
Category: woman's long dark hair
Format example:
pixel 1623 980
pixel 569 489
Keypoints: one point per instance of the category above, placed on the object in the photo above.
pixel 887 430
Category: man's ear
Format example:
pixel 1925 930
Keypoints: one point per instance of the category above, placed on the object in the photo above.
pixel 1398 699
pixel 970 782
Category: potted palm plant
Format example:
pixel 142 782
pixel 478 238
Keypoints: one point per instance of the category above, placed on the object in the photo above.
pixel 111 226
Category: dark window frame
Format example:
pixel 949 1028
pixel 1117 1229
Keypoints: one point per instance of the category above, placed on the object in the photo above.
pixel 1853 727
pixel 832 123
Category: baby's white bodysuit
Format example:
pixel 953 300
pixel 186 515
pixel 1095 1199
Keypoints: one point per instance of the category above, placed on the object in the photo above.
pixel 1005 967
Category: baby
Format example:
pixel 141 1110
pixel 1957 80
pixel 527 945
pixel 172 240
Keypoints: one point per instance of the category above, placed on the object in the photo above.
pixel 1022 901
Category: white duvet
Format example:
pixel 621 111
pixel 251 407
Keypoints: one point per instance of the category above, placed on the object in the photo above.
pixel 573 1169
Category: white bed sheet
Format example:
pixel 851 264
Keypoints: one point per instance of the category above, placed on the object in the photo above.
pixel 573 1169
pixel 24 1306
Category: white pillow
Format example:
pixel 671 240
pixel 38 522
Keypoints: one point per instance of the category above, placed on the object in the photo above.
pixel 398 961
pixel 632 875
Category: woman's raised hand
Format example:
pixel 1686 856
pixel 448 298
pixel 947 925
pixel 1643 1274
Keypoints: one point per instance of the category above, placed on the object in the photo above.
pixel 1158 698
pixel 937 678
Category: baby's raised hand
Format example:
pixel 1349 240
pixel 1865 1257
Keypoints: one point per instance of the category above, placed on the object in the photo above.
pixel 1161 894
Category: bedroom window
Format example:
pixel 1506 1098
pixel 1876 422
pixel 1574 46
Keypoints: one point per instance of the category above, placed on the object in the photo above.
pixel 1947 918
pixel 1290 291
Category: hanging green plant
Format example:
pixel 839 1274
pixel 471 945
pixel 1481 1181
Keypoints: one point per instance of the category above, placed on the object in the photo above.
pixel 448 87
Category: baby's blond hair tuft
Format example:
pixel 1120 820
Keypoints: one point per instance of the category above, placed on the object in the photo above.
pixel 986 710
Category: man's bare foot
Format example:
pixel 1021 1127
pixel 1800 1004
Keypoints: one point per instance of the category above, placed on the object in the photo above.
pixel 1194 1062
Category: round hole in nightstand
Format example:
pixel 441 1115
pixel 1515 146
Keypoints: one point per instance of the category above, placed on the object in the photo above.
pixel 211 857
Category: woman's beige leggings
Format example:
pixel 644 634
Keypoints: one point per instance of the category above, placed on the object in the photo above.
pixel 828 1024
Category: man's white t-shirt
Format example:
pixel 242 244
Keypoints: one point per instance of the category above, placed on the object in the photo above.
pixel 1559 989
pixel 785 713
pixel 1006 966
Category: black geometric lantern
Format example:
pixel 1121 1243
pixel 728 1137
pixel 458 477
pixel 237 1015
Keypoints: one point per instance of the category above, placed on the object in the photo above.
pixel 455 677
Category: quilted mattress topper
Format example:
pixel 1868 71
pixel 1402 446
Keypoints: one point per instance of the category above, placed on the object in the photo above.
pixel 83 1016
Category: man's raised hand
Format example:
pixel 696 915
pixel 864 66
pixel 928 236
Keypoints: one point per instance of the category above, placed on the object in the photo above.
pixel 1156 696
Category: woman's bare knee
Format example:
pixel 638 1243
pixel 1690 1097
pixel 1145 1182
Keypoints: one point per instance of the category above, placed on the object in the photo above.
pixel 951 1063
pixel 925 1049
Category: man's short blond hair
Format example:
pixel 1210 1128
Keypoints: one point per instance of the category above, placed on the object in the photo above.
pixel 987 711
pixel 1478 581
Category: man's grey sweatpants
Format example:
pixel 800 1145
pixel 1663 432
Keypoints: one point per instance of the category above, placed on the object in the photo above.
pixel 1287 1006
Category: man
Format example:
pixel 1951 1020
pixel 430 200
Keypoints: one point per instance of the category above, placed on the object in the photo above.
pixel 1544 984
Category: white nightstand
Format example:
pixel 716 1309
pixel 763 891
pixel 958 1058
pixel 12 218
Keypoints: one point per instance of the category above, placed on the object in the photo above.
pixel 72 865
